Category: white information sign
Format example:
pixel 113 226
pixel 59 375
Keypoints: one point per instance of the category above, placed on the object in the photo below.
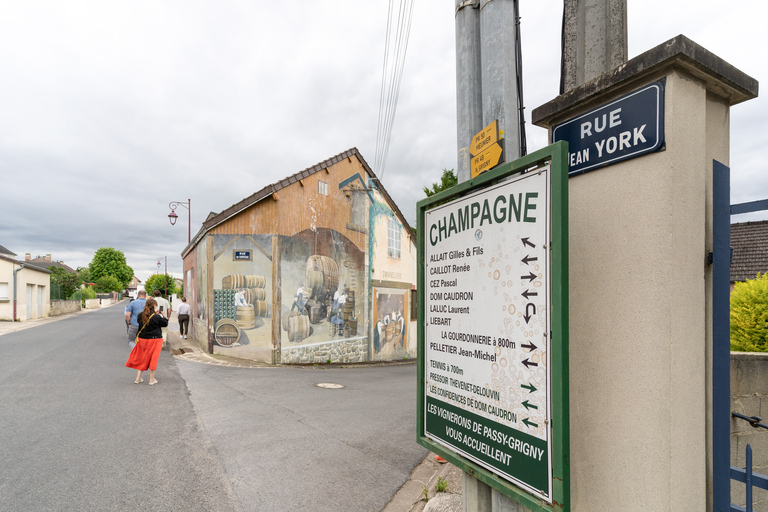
pixel 487 296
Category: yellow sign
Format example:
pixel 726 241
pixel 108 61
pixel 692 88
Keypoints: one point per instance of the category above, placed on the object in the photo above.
pixel 484 138
pixel 488 160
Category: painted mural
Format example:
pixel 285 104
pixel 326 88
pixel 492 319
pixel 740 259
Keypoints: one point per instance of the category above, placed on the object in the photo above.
pixel 390 331
pixel 323 288
pixel 322 284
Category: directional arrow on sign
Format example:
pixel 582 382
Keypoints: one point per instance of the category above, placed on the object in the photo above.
pixel 486 160
pixel 530 346
pixel 529 405
pixel 530 277
pixel 530 423
pixel 526 242
pixel 528 294
pixel 528 363
pixel 528 259
pixel 530 387
pixel 526 315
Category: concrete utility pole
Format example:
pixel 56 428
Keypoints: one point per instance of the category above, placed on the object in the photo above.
pixel 595 42
pixel 486 75
pixel 594 39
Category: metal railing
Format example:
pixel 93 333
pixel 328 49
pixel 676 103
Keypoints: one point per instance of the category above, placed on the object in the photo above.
pixel 750 479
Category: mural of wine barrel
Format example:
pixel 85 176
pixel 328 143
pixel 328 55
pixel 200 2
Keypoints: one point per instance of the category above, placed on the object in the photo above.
pixel 237 281
pixel 322 275
pixel 389 332
pixel 260 307
pixel 287 316
pixel 352 322
pixel 316 310
pixel 298 328
pixel 254 281
pixel 226 332
pixel 348 311
pixel 398 335
pixel 253 294
pixel 246 318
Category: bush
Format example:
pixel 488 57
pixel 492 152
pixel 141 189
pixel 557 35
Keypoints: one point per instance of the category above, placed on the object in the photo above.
pixel 749 315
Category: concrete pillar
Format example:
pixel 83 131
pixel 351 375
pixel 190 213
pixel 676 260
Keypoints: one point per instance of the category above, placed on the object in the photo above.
pixel 594 39
pixel 640 319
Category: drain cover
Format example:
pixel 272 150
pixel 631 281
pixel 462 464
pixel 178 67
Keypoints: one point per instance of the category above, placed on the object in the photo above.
pixel 329 385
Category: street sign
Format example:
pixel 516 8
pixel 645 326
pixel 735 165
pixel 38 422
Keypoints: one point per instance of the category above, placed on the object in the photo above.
pixel 627 127
pixel 493 328
pixel 241 255
pixel 484 138
pixel 487 160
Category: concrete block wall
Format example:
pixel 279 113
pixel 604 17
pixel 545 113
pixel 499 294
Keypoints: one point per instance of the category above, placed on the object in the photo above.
pixel 749 396
pixel 64 307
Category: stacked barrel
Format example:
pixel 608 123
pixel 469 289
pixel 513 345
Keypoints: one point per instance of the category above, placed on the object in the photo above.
pixel 254 294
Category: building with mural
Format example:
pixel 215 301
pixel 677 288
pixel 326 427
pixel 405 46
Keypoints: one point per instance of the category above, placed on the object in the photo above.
pixel 317 267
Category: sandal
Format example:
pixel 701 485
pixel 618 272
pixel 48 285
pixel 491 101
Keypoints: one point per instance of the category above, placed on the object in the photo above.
pixel 138 381
pixel 153 382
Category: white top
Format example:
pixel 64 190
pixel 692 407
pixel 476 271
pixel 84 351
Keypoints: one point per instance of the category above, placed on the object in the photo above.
pixel 184 309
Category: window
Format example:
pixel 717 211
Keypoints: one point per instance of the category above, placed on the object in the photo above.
pixel 4 292
pixel 322 187
pixel 393 238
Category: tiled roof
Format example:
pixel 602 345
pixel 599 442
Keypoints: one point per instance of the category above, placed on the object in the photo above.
pixel 750 249
pixel 3 250
pixel 26 264
pixel 42 263
pixel 215 219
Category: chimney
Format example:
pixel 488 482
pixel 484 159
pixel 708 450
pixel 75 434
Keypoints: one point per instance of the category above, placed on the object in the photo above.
pixel 48 258
pixel 27 257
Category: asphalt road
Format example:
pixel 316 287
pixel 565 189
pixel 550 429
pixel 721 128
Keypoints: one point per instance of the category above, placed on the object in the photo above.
pixel 77 434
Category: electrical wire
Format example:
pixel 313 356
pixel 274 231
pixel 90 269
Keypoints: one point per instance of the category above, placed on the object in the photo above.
pixel 391 78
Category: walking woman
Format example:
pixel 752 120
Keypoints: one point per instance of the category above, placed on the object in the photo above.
pixel 149 342
pixel 183 316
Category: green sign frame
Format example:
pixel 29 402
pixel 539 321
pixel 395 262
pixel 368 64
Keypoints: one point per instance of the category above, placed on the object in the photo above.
pixel 556 155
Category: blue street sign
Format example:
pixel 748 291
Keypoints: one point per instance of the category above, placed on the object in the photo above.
pixel 629 126
pixel 242 255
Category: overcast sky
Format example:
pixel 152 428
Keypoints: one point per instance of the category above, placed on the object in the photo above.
pixel 109 110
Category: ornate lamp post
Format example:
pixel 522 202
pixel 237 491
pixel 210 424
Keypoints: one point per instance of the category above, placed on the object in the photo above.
pixel 173 217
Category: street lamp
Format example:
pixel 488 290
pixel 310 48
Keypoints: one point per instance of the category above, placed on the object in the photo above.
pixel 173 217
pixel 165 276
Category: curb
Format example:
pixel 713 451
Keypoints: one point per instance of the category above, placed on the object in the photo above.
pixel 426 474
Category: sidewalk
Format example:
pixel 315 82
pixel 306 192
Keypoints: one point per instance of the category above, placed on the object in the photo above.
pixel 8 327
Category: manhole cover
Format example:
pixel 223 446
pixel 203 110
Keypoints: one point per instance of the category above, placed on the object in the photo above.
pixel 329 385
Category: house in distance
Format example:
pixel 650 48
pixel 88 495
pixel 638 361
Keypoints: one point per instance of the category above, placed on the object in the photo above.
pixel 317 267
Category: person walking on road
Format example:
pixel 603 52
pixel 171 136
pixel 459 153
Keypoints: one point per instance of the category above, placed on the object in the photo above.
pixel 132 312
pixel 164 307
pixel 145 354
pixel 183 317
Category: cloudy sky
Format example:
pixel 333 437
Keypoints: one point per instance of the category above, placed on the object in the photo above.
pixel 109 110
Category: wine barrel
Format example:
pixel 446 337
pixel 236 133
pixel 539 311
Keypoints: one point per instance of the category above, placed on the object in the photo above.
pixel 287 316
pixel 254 281
pixel 226 332
pixel 352 322
pixel 253 294
pixel 261 308
pixel 322 275
pixel 298 328
pixel 316 313
pixel 232 282
pixel 389 332
pixel 246 318
pixel 348 311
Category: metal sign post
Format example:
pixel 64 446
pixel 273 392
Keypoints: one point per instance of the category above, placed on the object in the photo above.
pixel 493 328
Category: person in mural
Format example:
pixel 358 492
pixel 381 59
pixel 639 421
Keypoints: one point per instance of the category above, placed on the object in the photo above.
pixel 339 298
pixel 240 298
pixel 397 318
pixel 164 308
pixel 300 299
pixel 132 311
pixel 149 342
pixel 183 317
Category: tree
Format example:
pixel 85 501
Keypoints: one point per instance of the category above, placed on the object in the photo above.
pixel 110 262
pixel 749 315
pixel 84 274
pixel 68 282
pixel 158 282
pixel 447 180
pixel 106 284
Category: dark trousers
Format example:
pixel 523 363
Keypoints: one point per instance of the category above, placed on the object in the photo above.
pixel 183 324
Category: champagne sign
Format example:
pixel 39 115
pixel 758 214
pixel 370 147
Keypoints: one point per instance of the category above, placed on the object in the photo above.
pixel 487 371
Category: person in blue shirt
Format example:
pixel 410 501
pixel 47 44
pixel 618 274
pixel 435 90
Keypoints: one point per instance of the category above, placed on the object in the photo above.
pixel 132 312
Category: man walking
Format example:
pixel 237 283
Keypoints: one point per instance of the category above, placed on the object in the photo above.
pixel 132 312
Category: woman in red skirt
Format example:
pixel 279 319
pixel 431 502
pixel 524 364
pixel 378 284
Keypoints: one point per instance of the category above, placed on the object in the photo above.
pixel 149 342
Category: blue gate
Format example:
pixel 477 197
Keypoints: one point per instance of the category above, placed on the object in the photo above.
pixel 720 258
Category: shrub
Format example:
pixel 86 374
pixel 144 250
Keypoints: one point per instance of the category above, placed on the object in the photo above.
pixel 749 315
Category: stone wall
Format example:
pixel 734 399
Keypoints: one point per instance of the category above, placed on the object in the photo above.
pixel 64 307
pixel 749 396
pixel 354 350
pixel 92 303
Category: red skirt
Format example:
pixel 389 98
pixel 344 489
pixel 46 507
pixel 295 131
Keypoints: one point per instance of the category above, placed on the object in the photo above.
pixel 145 354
